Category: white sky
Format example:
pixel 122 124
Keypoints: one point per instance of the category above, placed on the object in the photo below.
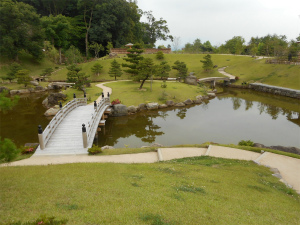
pixel 221 20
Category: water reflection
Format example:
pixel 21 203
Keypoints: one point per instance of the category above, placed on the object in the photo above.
pixel 232 116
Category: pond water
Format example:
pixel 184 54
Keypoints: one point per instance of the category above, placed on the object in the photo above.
pixel 21 123
pixel 232 116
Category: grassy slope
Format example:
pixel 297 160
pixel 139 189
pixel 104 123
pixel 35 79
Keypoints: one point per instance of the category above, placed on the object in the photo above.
pixel 192 61
pixel 26 62
pixel 129 94
pixel 187 191
pixel 257 70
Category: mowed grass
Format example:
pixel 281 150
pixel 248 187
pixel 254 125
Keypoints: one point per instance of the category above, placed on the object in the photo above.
pixel 92 93
pixel 129 94
pixel 273 74
pixel 192 61
pixel 201 190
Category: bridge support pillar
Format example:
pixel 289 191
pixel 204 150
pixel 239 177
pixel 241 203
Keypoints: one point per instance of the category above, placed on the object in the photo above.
pixel 41 138
pixel 84 136
pixel 213 84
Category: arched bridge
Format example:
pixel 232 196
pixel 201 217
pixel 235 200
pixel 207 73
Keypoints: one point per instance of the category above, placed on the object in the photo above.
pixel 65 134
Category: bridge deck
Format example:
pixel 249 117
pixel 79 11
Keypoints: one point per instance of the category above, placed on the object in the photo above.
pixel 67 138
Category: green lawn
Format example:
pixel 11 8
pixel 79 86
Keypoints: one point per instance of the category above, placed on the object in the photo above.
pixel 199 190
pixel 129 94
pixel 192 61
pixel 273 74
pixel 92 93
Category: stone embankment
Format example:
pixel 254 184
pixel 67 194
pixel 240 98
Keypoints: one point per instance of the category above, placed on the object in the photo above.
pixel 292 93
pixel 37 88
pixel 122 110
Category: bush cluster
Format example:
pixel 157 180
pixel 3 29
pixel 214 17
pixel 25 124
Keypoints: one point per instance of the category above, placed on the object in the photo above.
pixel 94 150
pixel 246 143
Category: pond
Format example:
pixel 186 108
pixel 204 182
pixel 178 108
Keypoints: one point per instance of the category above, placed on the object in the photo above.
pixel 232 116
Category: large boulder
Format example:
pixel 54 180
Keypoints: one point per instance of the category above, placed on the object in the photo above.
pixel 170 103
pixel 39 88
pixel 211 95
pixel 3 89
pixel 180 104
pixel 34 83
pixel 188 102
pixel 24 91
pixel 54 98
pixel 132 109
pixel 119 110
pixel 14 92
pixel 51 112
pixel 162 106
pixel 199 97
pixel 191 79
pixel 152 105
pixel 142 106
pixel 198 101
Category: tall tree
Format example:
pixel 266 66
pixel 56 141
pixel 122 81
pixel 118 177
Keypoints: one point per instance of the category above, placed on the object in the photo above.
pixel 115 69
pixel 57 30
pixel 155 29
pixel 96 48
pixel 20 30
pixel 88 7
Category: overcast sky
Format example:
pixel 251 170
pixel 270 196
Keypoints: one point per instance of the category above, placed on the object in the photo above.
pixel 221 20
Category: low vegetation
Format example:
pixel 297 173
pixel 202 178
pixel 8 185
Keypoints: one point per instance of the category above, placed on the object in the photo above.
pixel 129 94
pixel 183 191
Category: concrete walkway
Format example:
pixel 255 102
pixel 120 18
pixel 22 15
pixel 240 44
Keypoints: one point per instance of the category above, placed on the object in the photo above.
pixel 288 168
pixel 222 71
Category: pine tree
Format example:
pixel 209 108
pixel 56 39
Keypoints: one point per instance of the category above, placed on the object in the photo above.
pixel 13 69
pixel 96 69
pixel 23 77
pixel 115 69
pixel 79 78
pixel 181 68
pixel 207 63
pixel 133 59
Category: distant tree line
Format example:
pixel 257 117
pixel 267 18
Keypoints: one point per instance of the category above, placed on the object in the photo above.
pixel 89 27
pixel 269 45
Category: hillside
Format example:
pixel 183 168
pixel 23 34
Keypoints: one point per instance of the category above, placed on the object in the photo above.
pixel 245 67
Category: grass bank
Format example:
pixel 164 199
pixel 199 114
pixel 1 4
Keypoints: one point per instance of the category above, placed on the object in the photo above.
pixel 129 94
pixel 92 93
pixel 273 74
pixel 185 191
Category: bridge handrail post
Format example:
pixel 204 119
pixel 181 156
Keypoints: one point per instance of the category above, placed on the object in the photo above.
pixel 41 137
pixel 84 136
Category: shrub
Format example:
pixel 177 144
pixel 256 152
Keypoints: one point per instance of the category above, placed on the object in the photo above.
pixel 8 150
pixel 236 78
pixel 160 55
pixel 94 150
pixel 164 84
pixel 246 143
pixel 116 101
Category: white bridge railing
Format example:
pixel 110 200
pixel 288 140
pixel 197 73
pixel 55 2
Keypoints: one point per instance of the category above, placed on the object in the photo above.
pixel 92 125
pixel 45 136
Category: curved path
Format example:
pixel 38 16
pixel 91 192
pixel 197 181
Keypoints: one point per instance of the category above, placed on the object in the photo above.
pixel 287 168
pixel 222 71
